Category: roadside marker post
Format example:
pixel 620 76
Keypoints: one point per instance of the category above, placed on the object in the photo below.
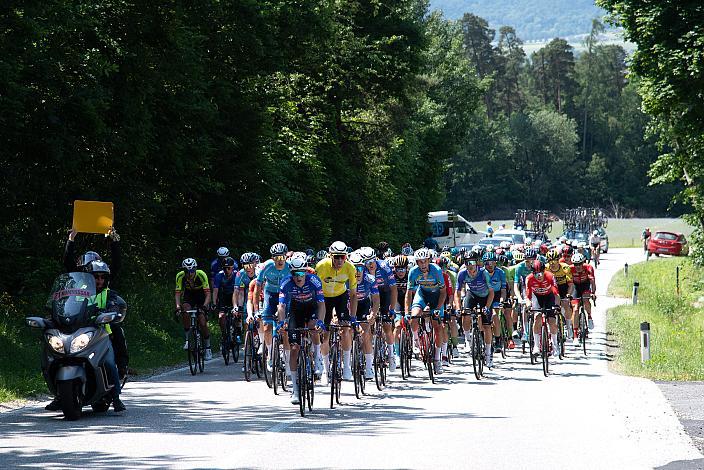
pixel 634 297
pixel 644 342
pixel 625 269
pixel 677 277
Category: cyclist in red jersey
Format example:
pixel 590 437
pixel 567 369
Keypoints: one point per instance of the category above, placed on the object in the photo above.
pixel 541 292
pixel 584 286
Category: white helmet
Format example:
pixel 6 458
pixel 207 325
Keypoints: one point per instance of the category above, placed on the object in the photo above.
pixel 490 247
pixel 595 232
pixel 223 251
pixel 578 258
pixel 581 245
pixel 505 245
pixel 422 253
pixel 407 250
pixel 368 253
pixel 278 249
pixel 356 258
pixel 338 248
pixel 189 263
pixel 297 262
pixel 299 254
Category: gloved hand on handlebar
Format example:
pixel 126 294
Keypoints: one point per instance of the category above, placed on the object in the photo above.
pixel 354 321
pixel 320 325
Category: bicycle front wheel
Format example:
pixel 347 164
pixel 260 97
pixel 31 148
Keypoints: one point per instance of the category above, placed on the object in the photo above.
pixel 583 329
pixel 545 348
pixel 531 340
pixel 334 372
pixel 475 351
pixel 402 354
pixel 379 349
pixel 201 352
pixel 302 381
pixel 268 375
pixel 357 373
pixel 561 335
pixel 248 355
pixel 310 382
pixel 192 352
pixel 275 358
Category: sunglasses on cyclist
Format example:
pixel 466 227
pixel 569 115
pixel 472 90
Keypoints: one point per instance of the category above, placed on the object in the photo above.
pixel 471 262
pixel 298 273
pixel 99 276
pixel 400 270
pixel 228 268
pixel 248 266
pixel 279 258
pixel 339 257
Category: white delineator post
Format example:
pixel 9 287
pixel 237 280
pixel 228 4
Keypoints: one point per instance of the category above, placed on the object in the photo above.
pixel 644 342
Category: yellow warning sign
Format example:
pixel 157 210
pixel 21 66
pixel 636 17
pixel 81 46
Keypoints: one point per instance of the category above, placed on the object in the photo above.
pixel 92 216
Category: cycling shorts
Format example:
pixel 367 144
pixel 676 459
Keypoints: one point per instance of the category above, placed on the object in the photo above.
pixel 471 301
pixel 428 299
pixel 563 290
pixel 194 298
pixel 583 290
pixel 596 245
pixel 340 304
pixel 385 305
pixel 544 301
pixel 271 304
pixel 299 314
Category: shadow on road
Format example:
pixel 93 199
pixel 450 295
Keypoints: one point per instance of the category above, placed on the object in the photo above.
pixel 16 458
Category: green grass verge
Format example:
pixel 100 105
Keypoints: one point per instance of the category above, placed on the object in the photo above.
pixel 154 338
pixel 623 233
pixel 676 323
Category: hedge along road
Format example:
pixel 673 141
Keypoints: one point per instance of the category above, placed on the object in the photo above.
pixel 582 416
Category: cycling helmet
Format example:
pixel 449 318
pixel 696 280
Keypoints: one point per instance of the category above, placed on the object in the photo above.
pixel 223 251
pixel 189 264
pixel 338 248
pixel 256 258
pixel 321 255
pixel 531 253
pixel 581 245
pixel 454 251
pixel 518 256
pixel 442 262
pixel 489 256
pixel 298 254
pixel 382 248
pixel 87 258
pixel 562 239
pixel 445 248
pixel 595 232
pixel 368 253
pixel 499 251
pixel 247 258
pixel 356 258
pixel 411 262
pixel 567 250
pixel 553 255
pixel 422 253
pixel 446 254
pixel 278 249
pixel 538 266
pixel 490 247
pixel 297 262
pixel 387 254
pixel 228 262
pixel 471 256
pixel 407 249
pixel 543 248
pixel 98 266
pixel 578 258
pixel 502 260
pixel 478 249
pixel 309 252
pixel 399 261
pixel 310 260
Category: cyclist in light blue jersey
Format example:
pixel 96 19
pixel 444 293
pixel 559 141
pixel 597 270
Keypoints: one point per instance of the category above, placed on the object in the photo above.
pixel 426 288
pixel 270 276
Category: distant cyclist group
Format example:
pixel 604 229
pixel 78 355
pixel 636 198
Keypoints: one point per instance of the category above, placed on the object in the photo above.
pixel 356 314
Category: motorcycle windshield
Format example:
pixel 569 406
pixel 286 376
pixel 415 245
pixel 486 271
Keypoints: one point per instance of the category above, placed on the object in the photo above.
pixel 73 300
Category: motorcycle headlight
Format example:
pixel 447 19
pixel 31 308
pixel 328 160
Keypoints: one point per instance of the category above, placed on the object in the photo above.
pixel 56 343
pixel 81 341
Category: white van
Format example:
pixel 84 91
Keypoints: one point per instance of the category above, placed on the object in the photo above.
pixel 450 228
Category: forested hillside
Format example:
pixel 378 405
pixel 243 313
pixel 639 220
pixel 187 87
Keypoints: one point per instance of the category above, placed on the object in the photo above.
pixel 223 122
pixel 532 19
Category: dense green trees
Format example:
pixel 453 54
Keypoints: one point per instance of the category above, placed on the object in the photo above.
pixel 245 122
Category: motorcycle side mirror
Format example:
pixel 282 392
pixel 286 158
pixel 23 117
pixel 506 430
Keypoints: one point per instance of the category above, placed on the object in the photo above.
pixel 105 318
pixel 35 322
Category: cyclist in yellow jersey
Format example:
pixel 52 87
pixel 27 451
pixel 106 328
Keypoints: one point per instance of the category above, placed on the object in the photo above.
pixel 193 284
pixel 563 277
pixel 339 278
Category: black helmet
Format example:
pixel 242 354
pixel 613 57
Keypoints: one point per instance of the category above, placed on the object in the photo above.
pixel 98 266
pixel 228 262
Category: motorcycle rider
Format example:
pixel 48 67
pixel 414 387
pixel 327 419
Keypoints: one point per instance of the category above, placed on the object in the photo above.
pixel 107 300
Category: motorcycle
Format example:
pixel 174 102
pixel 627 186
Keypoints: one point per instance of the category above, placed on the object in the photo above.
pixel 76 344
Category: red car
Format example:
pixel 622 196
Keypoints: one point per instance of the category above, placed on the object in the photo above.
pixel 668 243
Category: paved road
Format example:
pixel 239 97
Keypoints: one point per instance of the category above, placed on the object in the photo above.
pixel 582 416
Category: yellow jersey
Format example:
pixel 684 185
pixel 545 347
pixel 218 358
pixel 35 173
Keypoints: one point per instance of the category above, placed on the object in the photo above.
pixel 335 281
pixel 562 273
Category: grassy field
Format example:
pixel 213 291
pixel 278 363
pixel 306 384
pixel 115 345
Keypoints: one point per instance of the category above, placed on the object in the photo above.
pixel 154 339
pixel 623 233
pixel 676 322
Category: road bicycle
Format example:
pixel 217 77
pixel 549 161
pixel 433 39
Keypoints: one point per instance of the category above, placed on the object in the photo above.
pixel 545 336
pixel 583 324
pixel 252 358
pixel 405 347
pixel 359 363
pixel 426 341
pixel 381 356
pixel 305 371
pixel 335 375
pixel 278 359
pixel 196 345
pixel 477 341
pixel 230 341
